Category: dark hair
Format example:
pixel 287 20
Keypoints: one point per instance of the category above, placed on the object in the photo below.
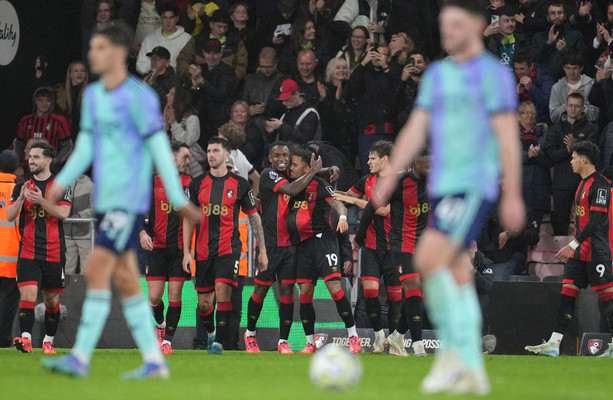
pixel 176 146
pixel 474 7
pixel 573 57
pixel 419 52
pixel 168 6
pixel 304 154
pixel 236 5
pixel 111 4
pixel 523 56
pixel 8 161
pixel 120 34
pixel 48 150
pixel 507 11
pixel 182 103
pixel 608 172
pixel 223 142
pixel 275 144
pixel 382 148
pixel 587 149
pixel 576 95
pixel 220 15
pixel 556 3
pixel 297 36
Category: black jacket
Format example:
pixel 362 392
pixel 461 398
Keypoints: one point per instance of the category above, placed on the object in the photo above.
pixel 335 118
pixel 536 174
pixel 306 130
pixel 484 276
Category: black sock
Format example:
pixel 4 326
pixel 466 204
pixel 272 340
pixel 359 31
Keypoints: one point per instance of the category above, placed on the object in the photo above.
pixel 173 314
pixel 373 308
pixel 393 314
pixel 224 313
pixel 52 319
pixel 403 325
pixel 26 316
pixel 254 308
pixel 207 319
pixel 307 314
pixel 158 312
pixel 413 316
pixel 286 316
pixel 565 312
pixel 606 299
pixel 344 310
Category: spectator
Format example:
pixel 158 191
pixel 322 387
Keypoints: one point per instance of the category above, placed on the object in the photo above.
pixel 601 95
pixel 409 84
pixel 574 82
pixel 105 14
pixel 254 140
pixel 602 40
pixel 9 250
pixel 78 235
pixel 501 38
pixel 197 14
pixel 355 51
pixel 148 21
pixel 162 76
pixel 369 13
pixel 239 14
pixel 573 127
pixel 303 37
pixel 419 20
pixel 335 113
pixel 532 17
pixel 213 90
pixel 373 89
pixel 170 36
pixel 332 156
pixel 300 123
pixel 536 171
pixel 583 17
pixel 547 47
pixel 46 124
pixel 183 126
pixel 400 46
pixel 322 13
pixel 275 27
pixel 306 78
pixel 70 95
pixel 242 167
pixel 533 84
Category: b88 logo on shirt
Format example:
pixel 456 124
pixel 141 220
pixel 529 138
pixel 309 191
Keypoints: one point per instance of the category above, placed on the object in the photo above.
pixel 580 211
pixel 215 209
pixel 423 208
pixel 300 204
pixel 36 212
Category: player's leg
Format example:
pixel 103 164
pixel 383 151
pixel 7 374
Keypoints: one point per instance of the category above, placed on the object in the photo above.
pixel 286 314
pixel 226 278
pixel 205 287
pixel 393 291
pixel 307 312
pixel 52 319
pixel 370 271
pixel 29 274
pixel 343 307
pixel 601 281
pixel 173 314
pixel 156 274
pixel 263 281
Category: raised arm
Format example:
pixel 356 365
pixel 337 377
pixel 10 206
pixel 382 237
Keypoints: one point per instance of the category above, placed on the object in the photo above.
pixel 293 188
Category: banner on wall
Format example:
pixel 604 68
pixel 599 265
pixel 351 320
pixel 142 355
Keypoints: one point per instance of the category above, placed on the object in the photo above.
pixel 9 32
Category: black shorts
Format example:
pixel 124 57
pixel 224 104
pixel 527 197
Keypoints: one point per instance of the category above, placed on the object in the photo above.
pixel 222 269
pixel 281 267
pixel 118 231
pixel 376 263
pixel 581 273
pixel 48 275
pixel 403 263
pixel 317 257
pixel 165 265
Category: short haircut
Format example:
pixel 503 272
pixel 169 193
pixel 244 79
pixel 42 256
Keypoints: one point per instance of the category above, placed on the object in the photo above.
pixel 587 149
pixel 507 11
pixel 120 34
pixel 556 3
pixel 523 56
pixel 223 142
pixel 234 135
pixel 573 57
pixel 8 162
pixel 176 146
pixel 382 148
pixel 48 150
pixel 419 52
pixel 475 7
pixel 577 96
pixel 269 53
pixel 306 51
pixel 220 16
pixel 304 154
pixel 275 144
pixel 168 6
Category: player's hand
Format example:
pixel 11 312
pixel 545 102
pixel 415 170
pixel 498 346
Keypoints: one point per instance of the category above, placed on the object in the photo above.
pixel 191 212
pixel 341 197
pixel 565 253
pixel 348 267
pixel 262 261
pixel 55 192
pixel 335 173
pixel 512 212
pixel 383 191
pixel 503 238
pixel 187 263
pixel 316 163
pixel 34 195
pixel 342 225
pixel 145 241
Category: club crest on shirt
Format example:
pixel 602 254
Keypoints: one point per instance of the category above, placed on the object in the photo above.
pixel 230 193
pixel 186 191
pixel 310 197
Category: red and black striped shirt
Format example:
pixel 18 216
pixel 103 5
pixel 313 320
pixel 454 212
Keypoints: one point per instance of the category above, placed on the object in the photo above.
pixel 592 197
pixel 220 200
pixel 309 213
pixel 409 209
pixel 274 207
pixel 42 235
pixel 379 228
pixel 165 224
pixel 53 127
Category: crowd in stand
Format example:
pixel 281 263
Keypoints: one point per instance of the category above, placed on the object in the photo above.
pixel 346 74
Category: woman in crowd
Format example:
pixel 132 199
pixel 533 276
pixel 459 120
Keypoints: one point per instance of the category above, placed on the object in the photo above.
pixel 253 144
pixel 69 96
pixel 303 37
pixel 183 125
pixel 356 49
pixel 400 45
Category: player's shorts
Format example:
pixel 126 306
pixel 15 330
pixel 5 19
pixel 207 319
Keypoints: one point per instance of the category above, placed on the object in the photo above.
pixel 281 267
pixel 48 275
pixel 118 231
pixel 317 257
pixel 165 265
pixel 403 263
pixel 460 216
pixel 222 269
pixel 376 263
pixel 581 273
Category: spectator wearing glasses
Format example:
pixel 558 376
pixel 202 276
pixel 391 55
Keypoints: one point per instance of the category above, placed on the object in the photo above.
pixel 355 51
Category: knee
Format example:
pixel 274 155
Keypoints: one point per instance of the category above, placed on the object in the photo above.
pixel 286 290
pixel 570 290
pixel 606 296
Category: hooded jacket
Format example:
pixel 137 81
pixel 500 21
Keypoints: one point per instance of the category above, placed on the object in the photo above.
pixel 559 93
pixel 174 44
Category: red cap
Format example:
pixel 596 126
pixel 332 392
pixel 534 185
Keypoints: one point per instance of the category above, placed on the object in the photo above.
pixel 287 88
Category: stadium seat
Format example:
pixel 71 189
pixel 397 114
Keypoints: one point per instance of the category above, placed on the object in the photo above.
pixel 553 278
pixel 544 269
pixel 524 278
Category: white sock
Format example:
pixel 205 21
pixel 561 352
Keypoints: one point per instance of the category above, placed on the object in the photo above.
pixel 153 356
pixel 310 339
pixel 81 356
pixel 352 331
pixel 162 325
pixel 249 333
pixel 396 333
pixel 48 339
pixel 165 342
pixel 556 338
pixel 26 335
pixel 281 341
pixel 377 333
pixel 212 333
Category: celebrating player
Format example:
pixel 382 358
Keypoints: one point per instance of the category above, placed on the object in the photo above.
pixel 409 210
pixel 122 133
pixel 162 236
pixel 221 195
pixel 375 255
pixel 317 249
pixel 41 259
pixel 275 193
pixel 588 256
pixel 468 103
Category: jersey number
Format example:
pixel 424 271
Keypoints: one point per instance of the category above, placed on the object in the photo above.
pixel 332 259
pixel 236 264
pixel 600 269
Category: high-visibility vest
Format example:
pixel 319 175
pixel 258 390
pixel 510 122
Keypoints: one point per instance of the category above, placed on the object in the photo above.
pixel 9 231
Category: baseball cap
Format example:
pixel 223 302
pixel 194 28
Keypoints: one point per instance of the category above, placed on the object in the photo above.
pixel 212 46
pixel 159 51
pixel 288 87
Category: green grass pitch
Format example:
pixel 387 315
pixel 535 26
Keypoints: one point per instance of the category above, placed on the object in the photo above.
pixel 238 375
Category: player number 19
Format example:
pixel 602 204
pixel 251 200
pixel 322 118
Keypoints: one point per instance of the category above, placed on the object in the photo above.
pixel 332 259
pixel 600 269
